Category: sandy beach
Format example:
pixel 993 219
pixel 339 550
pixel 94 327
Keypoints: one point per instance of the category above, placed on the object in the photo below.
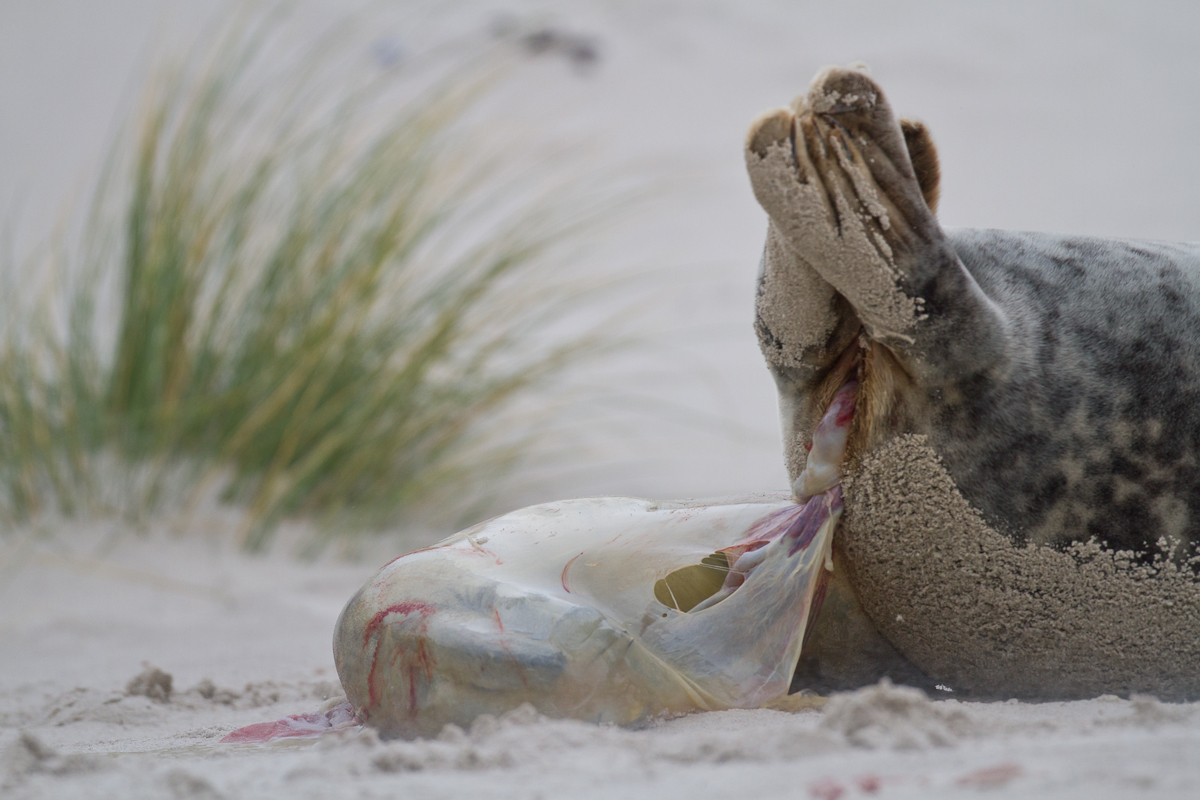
pixel 247 640
pixel 127 652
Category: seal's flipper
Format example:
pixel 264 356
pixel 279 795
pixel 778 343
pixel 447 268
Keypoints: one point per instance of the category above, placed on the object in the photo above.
pixel 842 192
pixel 803 324
pixel 798 347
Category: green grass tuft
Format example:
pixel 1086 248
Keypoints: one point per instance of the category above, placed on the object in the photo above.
pixel 326 301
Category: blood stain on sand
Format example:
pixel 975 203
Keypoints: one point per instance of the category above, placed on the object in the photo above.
pixel 296 726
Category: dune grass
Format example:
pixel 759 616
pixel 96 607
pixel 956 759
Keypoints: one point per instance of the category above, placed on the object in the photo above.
pixel 297 289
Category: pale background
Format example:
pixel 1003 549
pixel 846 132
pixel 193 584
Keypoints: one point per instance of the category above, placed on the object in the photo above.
pixel 1069 117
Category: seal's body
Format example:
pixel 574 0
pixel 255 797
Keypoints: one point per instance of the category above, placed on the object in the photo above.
pixel 1022 493
pixel 1088 426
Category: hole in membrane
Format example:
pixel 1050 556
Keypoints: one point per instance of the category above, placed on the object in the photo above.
pixel 690 585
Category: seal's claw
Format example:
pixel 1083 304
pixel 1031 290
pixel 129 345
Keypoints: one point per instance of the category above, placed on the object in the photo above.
pixel 858 104
pixel 868 161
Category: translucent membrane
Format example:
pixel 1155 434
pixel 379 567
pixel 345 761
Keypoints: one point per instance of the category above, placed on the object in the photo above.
pixel 581 608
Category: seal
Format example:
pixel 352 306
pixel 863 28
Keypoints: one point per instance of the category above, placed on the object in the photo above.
pixel 1022 482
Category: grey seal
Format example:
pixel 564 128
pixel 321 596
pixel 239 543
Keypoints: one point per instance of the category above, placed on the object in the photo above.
pixel 1022 483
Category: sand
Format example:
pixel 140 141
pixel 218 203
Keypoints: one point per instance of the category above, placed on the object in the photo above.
pixel 83 713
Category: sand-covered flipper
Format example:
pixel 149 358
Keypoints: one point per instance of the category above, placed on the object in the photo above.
pixel 800 349
pixel 835 176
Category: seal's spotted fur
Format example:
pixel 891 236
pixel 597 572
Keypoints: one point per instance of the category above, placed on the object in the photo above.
pixel 1090 427
pixel 1056 379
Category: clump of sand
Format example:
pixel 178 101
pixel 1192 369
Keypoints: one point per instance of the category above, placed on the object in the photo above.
pixel 895 717
pixel 152 682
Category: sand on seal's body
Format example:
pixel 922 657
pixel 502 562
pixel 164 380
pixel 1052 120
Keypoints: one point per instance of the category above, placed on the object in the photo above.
pixel 1023 480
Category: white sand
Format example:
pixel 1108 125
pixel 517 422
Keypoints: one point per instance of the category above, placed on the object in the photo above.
pixel 1073 117
pixel 75 628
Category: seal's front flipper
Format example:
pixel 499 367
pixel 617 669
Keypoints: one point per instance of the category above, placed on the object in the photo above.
pixel 852 202
pixel 804 326
pixel 798 347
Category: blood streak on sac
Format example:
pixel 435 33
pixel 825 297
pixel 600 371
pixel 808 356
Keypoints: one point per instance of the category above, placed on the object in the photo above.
pixel 406 608
pixel 516 662
pixel 567 588
pixel 425 661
